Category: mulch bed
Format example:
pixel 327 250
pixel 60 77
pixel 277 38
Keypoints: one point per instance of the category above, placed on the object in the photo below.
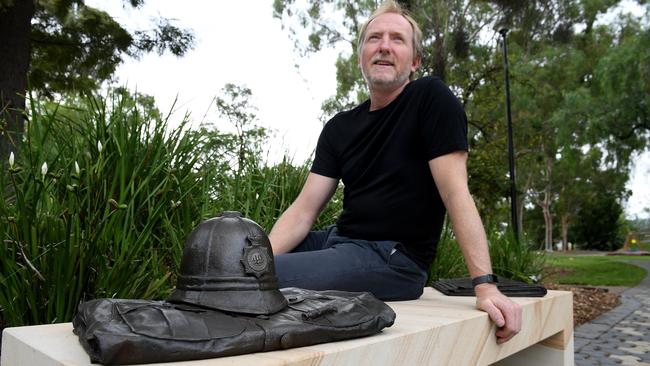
pixel 588 302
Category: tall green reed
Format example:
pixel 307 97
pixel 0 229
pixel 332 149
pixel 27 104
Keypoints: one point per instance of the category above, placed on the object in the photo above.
pixel 515 259
pixel 510 258
pixel 449 261
pixel 97 204
pixel 263 192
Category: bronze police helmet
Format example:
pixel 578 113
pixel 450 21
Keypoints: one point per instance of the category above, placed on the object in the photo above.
pixel 228 265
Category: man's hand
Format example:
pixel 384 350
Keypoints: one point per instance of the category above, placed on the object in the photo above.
pixel 503 312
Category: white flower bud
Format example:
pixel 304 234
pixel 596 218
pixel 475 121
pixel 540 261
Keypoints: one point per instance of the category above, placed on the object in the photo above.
pixel 44 169
pixel 25 131
pixel 11 159
pixel 99 146
pixel 76 168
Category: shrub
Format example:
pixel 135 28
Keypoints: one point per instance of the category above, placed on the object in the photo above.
pixel 510 258
pixel 97 204
pixel 601 225
pixel 515 259
pixel 449 261
pixel 262 193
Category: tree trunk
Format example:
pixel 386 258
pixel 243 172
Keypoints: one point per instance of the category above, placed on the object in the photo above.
pixel 548 221
pixel 522 201
pixel 15 28
pixel 546 208
pixel 564 222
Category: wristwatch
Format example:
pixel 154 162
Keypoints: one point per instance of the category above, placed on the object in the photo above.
pixel 488 278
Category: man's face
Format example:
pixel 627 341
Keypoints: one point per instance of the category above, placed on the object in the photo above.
pixel 387 58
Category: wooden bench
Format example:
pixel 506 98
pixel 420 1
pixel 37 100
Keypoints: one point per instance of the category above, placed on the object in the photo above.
pixel 433 330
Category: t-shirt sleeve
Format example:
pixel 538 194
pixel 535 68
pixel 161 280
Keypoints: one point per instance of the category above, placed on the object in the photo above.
pixel 443 121
pixel 325 161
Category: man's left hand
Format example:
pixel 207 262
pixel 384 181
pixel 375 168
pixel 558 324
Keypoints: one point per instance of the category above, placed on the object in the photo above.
pixel 503 312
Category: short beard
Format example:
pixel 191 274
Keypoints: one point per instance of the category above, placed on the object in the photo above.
pixel 381 84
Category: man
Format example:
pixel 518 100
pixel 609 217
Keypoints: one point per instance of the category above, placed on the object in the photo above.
pixel 402 158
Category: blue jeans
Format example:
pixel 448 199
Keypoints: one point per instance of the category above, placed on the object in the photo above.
pixel 327 261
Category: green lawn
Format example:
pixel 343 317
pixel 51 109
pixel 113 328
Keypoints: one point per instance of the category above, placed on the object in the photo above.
pixel 593 270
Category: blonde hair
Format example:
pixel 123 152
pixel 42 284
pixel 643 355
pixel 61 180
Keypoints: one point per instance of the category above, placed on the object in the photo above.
pixel 391 6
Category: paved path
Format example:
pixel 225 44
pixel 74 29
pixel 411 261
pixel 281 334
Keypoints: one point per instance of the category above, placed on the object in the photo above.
pixel 622 335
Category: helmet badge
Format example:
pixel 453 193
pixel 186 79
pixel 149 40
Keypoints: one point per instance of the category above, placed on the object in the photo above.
pixel 256 257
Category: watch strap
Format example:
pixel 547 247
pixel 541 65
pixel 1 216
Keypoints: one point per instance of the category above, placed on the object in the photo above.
pixel 488 278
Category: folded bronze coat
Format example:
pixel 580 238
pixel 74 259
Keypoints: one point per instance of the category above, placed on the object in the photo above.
pixel 115 331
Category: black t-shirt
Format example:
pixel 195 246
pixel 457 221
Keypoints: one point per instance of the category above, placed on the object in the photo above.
pixel 382 157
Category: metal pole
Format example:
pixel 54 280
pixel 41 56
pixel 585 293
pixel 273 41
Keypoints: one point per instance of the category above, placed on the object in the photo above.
pixel 511 149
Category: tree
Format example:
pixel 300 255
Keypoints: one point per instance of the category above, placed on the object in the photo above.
pixel 601 217
pixel 622 88
pixel 235 107
pixel 54 46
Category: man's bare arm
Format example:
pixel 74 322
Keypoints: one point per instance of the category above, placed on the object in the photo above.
pixel 450 174
pixel 294 224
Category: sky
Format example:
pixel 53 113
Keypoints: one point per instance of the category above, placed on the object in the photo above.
pixel 240 42
pixel 236 42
